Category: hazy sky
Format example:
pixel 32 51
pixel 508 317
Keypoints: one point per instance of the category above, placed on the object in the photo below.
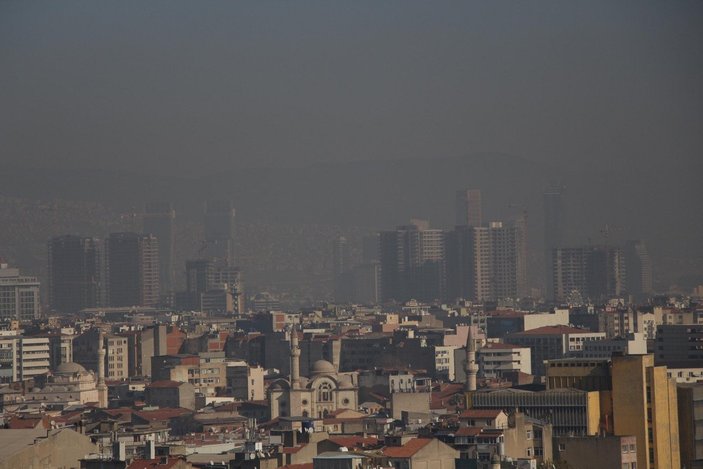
pixel 203 85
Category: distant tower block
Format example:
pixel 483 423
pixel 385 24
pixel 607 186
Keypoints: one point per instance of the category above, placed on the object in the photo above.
pixel 220 231
pixel 159 220
pixel 468 208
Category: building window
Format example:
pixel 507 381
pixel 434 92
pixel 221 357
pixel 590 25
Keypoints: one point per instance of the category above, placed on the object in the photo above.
pixel 325 392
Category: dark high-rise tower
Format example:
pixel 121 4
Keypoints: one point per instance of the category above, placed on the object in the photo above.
pixel 589 272
pixel 639 269
pixel 412 263
pixel 341 270
pixel 553 234
pixel 159 218
pixel 220 231
pixel 486 262
pixel 132 269
pixel 467 207
pixel 75 273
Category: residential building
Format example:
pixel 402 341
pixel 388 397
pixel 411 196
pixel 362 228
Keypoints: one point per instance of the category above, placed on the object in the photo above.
pixel 586 452
pixel 159 220
pixel 554 226
pixel 468 208
pixel 503 322
pixel 632 343
pixel 679 345
pixel 645 406
pixel 61 346
pixel 19 295
pixel 551 342
pixel 639 270
pixel 117 357
pixel 132 269
pixel 205 374
pixel 33 357
pixel 220 232
pixel 244 382
pixel 170 394
pixel 485 263
pixel 413 453
pixel 495 359
pixel 76 273
pixel 589 272
pixel 690 406
pixel 412 263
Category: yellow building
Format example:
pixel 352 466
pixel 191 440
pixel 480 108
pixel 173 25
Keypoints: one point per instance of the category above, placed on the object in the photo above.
pixel 644 405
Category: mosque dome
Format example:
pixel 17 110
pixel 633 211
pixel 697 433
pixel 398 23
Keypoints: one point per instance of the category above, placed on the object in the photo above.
pixel 345 382
pixel 322 367
pixel 68 369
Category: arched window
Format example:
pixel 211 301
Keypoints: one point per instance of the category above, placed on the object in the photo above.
pixel 324 392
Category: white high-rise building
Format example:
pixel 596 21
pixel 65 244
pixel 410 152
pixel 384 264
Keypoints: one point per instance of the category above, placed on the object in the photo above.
pixel 19 295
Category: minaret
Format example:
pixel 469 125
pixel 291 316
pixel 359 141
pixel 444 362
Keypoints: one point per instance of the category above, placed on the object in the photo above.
pixel 294 359
pixel 102 388
pixel 470 364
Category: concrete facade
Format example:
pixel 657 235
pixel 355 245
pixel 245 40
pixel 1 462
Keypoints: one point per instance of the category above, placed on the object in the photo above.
pixel 645 406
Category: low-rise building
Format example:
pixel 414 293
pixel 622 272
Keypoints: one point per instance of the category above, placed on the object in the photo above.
pixel 551 342
pixel 419 452
pixel 586 452
pixel 244 382
pixel 496 359
pixel 170 394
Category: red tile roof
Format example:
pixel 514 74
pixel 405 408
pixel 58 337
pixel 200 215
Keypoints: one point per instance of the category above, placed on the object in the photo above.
pixel 162 414
pixel 407 450
pixel 468 431
pixel 353 441
pixel 292 449
pixel 23 423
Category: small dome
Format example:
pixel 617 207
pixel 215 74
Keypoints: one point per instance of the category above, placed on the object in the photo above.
pixel 69 368
pixel 345 382
pixel 322 367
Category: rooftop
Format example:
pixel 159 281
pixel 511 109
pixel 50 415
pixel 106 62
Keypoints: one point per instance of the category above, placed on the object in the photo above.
pixel 407 450
pixel 553 330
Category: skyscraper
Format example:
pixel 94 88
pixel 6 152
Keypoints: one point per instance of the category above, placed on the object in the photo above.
pixel 220 231
pixel 467 207
pixel 487 262
pixel 639 269
pixel 159 218
pixel 341 270
pixel 553 233
pixel 588 272
pixel 132 269
pixel 412 263
pixel 76 273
